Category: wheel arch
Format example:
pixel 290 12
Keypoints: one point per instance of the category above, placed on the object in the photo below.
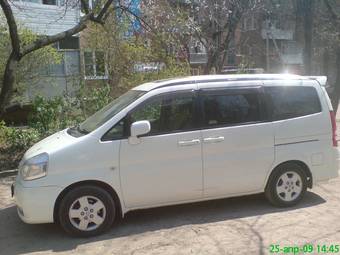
pixel 96 183
pixel 302 164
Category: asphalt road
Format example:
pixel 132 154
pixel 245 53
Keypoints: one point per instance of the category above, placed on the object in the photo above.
pixel 244 225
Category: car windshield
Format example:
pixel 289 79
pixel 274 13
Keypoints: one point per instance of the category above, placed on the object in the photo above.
pixel 106 113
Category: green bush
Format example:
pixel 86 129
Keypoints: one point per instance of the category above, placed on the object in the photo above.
pixel 51 115
pixel 17 139
pixel 13 144
pixel 93 99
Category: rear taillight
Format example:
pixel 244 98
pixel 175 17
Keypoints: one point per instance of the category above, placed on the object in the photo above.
pixel 335 142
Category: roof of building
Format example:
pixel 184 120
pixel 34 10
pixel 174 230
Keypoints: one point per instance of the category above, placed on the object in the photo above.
pixel 218 78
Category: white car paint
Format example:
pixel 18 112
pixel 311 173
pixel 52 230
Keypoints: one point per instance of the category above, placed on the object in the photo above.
pixel 159 170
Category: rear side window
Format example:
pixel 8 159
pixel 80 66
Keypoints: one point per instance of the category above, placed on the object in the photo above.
pixel 292 101
pixel 231 109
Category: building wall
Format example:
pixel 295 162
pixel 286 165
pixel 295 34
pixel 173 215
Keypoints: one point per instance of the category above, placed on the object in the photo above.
pixel 49 19
pixel 45 19
pixel 273 38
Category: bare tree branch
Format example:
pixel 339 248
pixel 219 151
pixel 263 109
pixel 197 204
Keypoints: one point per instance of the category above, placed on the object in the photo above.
pixel 103 11
pixel 141 19
pixel 47 40
pixel 330 9
pixel 12 25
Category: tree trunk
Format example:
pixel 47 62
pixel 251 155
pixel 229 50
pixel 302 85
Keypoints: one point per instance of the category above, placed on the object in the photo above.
pixel 308 6
pixel 325 58
pixel 8 80
pixel 336 91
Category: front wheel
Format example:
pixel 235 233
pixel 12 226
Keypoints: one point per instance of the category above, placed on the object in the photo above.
pixel 86 211
pixel 287 185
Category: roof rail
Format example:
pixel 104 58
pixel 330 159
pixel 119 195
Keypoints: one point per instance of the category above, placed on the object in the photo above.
pixel 322 80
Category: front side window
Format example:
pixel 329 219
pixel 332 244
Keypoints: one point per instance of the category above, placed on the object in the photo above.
pixel 231 109
pixel 292 101
pixel 167 114
pixel 116 132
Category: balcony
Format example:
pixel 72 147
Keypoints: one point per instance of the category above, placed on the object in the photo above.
pixel 292 59
pixel 273 32
pixel 198 58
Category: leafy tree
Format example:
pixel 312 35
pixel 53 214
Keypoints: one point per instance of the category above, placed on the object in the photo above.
pixel 326 44
pixel 333 29
pixel 214 24
pixel 19 49
pixel 211 23
pixel 124 52
pixel 30 66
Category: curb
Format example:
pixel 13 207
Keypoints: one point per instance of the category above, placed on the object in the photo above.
pixel 8 173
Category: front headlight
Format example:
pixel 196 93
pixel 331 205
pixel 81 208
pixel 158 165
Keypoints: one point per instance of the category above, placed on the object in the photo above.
pixel 34 168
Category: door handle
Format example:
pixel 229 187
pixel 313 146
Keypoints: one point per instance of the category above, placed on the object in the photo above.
pixel 214 139
pixel 189 142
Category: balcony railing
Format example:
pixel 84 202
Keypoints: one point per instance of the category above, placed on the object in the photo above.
pixel 198 58
pixel 273 32
pixel 292 59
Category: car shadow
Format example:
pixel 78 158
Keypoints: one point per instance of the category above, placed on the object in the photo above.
pixel 17 237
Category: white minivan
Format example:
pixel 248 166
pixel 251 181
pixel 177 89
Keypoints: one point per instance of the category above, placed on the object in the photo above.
pixel 179 141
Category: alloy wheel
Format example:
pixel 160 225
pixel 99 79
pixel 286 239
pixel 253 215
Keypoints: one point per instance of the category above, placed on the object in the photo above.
pixel 289 186
pixel 87 213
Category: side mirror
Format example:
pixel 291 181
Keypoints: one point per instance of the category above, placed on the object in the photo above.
pixel 139 128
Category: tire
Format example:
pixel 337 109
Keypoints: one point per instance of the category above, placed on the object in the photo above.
pixel 87 211
pixel 286 185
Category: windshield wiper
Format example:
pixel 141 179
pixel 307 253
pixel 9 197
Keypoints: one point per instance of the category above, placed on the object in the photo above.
pixel 81 130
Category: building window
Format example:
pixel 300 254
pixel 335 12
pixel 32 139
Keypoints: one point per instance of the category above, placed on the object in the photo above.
pixel 94 65
pixel 46 2
pixel 88 62
pixel 69 43
pixel 100 64
pixel 249 23
pixel 68 66
pixel 49 2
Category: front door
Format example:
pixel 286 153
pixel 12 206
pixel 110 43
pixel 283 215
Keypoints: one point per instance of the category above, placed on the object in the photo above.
pixel 166 165
pixel 238 142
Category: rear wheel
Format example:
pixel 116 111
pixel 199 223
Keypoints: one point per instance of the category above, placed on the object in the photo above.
pixel 287 185
pixel 87 211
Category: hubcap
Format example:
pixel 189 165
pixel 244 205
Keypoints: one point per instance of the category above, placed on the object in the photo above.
pixel 289 186
pixel 87 213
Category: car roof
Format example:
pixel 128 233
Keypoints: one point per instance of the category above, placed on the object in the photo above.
pixel 217 78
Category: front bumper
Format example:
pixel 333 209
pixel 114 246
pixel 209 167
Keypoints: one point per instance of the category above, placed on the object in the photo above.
pixel 35 204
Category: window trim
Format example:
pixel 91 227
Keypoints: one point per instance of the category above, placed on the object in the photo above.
pixel 263 107
pixel 199 110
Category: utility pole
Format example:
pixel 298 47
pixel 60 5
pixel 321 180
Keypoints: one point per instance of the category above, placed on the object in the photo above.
pixel 267 46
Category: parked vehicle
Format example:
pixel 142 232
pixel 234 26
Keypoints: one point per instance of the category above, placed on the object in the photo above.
pixel 178 141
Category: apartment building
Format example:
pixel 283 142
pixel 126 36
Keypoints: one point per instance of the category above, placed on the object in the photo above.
pixel 270 38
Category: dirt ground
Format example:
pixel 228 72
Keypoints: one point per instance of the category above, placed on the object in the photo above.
pixel 245 225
